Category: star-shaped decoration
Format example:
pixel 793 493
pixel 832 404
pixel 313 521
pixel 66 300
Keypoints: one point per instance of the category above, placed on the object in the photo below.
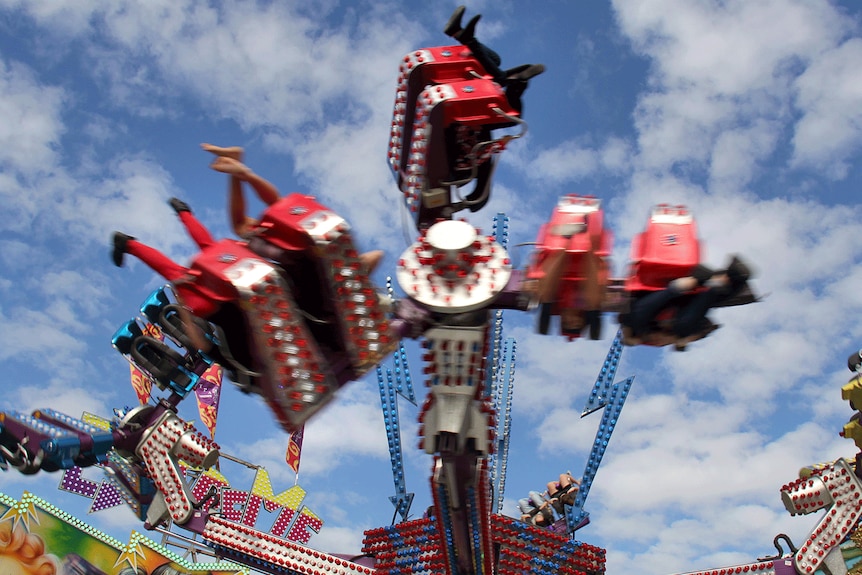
pixel 132 551
pixel 22 512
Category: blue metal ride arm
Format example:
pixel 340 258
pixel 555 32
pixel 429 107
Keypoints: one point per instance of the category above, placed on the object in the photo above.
pixel 403 381
pixel 401 500
pixel 49 441
pixel 494 392
pixel 403 386
pixel 575 515
pixel 609 396
pixel 492 361
pixel 501 229
pixel 95 443
pixel 599 395
pixel 495 364
pixel 503 407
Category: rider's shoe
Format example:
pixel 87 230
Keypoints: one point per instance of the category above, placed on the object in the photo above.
pixel 522 74
pixel 179 206
pixel 453 26
pixel 468 32
pixel 120 242
pixel 738 271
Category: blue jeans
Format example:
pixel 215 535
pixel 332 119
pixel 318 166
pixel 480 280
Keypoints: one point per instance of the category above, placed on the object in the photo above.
pixel 688 317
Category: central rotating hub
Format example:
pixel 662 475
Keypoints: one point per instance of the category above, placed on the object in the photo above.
pixel 453 269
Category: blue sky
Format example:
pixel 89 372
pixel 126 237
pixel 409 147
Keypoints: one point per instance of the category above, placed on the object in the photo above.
pixel 748 112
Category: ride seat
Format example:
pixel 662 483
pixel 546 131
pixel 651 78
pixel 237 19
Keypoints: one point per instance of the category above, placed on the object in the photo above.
pixel 472 103
pixel 419 69
pixel 209 267
pixel 480 104
pixel 667 249
pixel 282 224
pixel 575 220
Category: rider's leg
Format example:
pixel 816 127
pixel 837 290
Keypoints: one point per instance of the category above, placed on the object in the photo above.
pixel 646 307
pixel 720 286
pixel 689 319
pixel 194 227
pixel 489 59
pixel 156 260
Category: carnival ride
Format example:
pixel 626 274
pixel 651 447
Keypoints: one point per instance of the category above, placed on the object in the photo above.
pixel 447 108
pixel 292 315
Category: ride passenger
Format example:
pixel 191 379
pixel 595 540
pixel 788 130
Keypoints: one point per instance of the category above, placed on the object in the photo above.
pixel 690 321
pixel 177 274
pixel 229 161
pixel 536 510
pixel 514 81
pixel 563 491
pixel 166 267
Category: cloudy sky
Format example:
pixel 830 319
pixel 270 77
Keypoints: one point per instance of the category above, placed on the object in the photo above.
pixel 748 112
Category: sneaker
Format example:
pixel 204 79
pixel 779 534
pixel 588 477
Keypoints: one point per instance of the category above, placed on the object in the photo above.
pixel 179 206
pixel 120 242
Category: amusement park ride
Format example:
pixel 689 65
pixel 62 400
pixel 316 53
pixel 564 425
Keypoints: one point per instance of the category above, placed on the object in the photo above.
pixel 293 316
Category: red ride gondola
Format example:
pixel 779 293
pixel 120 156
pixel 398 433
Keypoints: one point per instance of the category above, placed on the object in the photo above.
pixel 571 266
pixel 668 291
pixel 293 331
pixel 665 296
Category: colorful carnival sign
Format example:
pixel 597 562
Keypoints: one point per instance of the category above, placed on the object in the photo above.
pixel 36 538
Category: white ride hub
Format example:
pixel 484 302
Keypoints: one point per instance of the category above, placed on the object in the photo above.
pixel 453 269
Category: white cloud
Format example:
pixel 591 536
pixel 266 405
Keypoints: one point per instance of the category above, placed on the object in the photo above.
pixel 566 162
pixel 349 428
pixel 352 180
pixel 31 132
pixel 673 468
pixel 720 81
pixel 574 160
pixel 731 48
pixel 830 99
pixel 29 333
pixel 677 126
pixel 738 153
pixel 65 398
pixel 338 540
pixel 226 55
pixel 67 18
